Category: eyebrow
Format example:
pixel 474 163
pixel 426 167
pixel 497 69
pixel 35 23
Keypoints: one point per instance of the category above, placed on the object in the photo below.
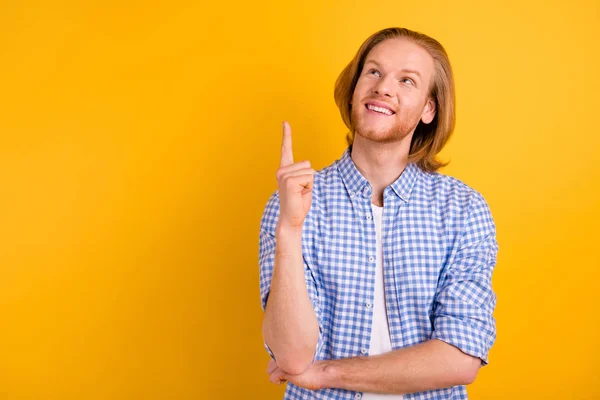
pixel 410 71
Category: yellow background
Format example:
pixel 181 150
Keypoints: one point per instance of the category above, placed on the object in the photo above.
pixel 139 144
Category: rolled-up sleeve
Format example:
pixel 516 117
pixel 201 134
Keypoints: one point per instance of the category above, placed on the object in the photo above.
pixel 465 302
pixel 266 258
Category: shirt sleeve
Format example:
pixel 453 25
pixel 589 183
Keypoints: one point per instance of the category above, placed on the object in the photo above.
pixel 266 258
pixel 465 300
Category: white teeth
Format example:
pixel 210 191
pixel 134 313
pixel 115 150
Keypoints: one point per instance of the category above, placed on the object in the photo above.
pixel 379 109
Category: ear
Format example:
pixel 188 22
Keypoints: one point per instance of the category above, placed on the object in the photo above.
pixel 429 111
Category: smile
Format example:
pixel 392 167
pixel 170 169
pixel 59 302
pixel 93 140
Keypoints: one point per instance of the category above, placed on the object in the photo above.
pixel 379 110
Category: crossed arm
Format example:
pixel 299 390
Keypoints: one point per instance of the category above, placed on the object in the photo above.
pixel 430 365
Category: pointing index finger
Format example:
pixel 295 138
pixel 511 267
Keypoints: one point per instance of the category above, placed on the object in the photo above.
pixel 287 157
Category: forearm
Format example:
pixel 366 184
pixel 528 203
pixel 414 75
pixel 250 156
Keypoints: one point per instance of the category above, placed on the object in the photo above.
pixel 290 326
pixel 426 366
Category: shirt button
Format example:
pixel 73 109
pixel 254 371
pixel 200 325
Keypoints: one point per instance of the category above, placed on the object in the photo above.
pixel 368 305
pixel 363 351
pixel 371 259
pixel 369 218
pixel 357 396
pixel 351 194
pixel 316 309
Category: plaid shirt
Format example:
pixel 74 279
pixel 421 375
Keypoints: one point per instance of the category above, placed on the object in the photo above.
pixel 439 248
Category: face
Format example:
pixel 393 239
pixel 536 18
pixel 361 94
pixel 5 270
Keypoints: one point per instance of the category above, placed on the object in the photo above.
pixel 392 91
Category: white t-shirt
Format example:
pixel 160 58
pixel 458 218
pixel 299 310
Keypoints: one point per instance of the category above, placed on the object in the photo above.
pixel 380 334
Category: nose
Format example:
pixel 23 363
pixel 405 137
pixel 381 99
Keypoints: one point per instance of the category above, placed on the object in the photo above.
pixel 383 87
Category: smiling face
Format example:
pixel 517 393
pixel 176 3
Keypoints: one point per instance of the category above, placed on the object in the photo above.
pixel 392 92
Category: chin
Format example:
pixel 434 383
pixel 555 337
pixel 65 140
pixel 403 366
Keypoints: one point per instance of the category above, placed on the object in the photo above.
pixel 378 137
pixel 380 134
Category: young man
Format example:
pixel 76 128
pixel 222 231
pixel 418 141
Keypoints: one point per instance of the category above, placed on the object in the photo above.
pixel 375 272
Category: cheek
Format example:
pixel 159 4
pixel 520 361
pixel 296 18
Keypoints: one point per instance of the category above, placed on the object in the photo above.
pixel 360 89
pixel 356 103
pixel 410 104
pixel 356 96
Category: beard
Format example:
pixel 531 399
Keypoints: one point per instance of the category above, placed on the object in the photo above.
pixel 401 127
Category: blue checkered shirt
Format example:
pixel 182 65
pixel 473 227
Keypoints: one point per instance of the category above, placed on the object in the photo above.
pixel 439 251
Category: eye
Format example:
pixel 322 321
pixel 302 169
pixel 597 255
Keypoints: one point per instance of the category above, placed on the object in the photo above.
pixel 374 71
pixel 407 79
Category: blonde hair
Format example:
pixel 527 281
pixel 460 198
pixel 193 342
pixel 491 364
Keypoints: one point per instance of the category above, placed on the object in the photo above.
pixel 428 139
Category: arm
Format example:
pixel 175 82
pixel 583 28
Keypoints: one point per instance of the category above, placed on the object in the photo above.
pixel 290 326
pixel 426 366
pixel 465 302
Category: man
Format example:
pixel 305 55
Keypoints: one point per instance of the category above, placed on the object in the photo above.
pixel 375 272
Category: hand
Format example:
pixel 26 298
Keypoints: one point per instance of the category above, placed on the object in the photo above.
pixel 295 183
pixel 314 378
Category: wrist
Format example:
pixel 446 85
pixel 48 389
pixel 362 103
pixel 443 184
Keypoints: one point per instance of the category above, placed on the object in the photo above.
pixel 332 374
pixel 289 242
pixel 286 230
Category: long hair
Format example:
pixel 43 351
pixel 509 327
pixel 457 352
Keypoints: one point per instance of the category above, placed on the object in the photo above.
pixel 428 139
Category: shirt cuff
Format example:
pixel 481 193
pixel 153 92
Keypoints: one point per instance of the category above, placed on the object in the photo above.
pixel 463 335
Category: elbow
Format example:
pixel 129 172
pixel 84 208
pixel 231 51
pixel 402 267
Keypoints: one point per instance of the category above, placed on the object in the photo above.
pixel 293 359
pixel 293 366
pixel 462 367
pixel 470 370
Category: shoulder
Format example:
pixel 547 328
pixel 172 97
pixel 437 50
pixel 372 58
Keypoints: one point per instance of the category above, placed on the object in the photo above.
pixel 453 198
pixel 463 209
pixel 449 190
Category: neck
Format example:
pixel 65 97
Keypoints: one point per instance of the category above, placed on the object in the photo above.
pixel 380 163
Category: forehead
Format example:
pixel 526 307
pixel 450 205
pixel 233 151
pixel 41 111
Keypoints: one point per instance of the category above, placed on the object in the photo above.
pixel 399 53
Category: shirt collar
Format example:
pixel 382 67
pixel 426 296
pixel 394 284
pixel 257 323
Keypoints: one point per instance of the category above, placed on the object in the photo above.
pixel 357 185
